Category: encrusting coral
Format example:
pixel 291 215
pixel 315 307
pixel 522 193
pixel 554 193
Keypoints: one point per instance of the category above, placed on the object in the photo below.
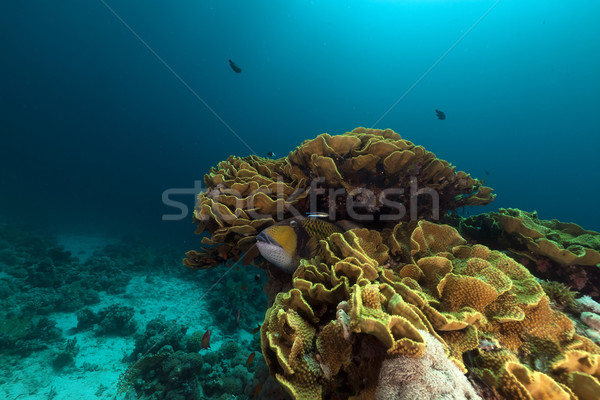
pixel 376 170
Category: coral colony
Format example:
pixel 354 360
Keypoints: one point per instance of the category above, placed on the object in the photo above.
pixel 407 299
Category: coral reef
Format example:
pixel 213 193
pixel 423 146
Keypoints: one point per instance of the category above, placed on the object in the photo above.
pixel 111 320
pixel 369 175
pixel 396 288
pixel 45 291
pixel 41 277
pixel 563 243
pixel 482 305
pixel 159 333
pixel 24 336
pixel 169 370
pixel 551 250
pixel 239 309
pixel 167 374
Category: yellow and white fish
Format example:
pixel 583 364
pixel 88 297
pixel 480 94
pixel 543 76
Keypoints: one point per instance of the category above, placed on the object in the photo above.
pixel 286 242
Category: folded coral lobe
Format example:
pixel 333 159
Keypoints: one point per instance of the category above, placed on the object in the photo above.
pixel 370 176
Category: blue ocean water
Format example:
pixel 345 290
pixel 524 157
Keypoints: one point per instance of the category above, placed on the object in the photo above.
pixel 109 107
pixel 97 121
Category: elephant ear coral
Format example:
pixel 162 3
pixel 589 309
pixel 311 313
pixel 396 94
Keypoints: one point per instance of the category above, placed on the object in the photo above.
pixel 370 176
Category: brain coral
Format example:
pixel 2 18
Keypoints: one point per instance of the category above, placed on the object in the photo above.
pixel 368 175
pixel 488 311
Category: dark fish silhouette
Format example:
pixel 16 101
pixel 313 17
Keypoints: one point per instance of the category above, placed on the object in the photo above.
pixel 440 114
pixel 234 67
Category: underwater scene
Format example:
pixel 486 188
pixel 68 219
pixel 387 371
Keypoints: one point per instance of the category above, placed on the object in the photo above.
pixel 299 200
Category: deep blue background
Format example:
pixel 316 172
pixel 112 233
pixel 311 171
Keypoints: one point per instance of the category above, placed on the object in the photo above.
pixel 94 127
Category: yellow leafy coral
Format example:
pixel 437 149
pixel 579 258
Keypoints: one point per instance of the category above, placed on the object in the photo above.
pixel 375 294
pixel 288 345
pixel 479 303
pixel 564 243
pixel 245 195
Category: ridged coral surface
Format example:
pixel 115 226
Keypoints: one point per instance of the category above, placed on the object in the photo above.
pixel 371 291
pixel 376 168
pixel 563 243
pixel 467 296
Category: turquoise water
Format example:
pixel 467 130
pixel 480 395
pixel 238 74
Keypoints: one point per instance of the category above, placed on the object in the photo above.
pixel 107 104
pixel 96 126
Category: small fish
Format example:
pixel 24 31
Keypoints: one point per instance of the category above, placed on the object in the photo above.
pixel 243 288
pixel 257 389
pixel 319 214
pixel 288 241
pixel 238 314
pixel 257 277
pixel 440 114
pixel 250 359
pixel 235 67
pixel 271 154
pixel 205 340
pixel 256 329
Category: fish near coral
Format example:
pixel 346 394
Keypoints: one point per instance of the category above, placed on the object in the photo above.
pixel 286 242
pixel 250 359
pixel 235 67
pixel 205 340
pixel 257 389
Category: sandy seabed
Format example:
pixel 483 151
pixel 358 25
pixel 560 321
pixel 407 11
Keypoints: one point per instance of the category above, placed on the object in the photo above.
pixel 99 362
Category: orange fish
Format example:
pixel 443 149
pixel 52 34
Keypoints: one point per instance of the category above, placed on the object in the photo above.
pixel 206 340
pixel 256 329
pixel 243 287
pixel 250 358
pixel 257 389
